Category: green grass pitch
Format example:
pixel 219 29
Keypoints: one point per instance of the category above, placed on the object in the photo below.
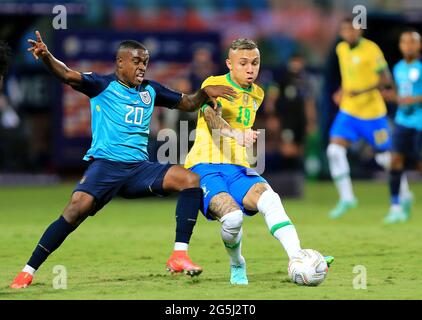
pixel 121 252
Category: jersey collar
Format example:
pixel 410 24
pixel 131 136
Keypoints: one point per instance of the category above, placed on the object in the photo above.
pixel 137 88
pixel 357 44
pixel 229 79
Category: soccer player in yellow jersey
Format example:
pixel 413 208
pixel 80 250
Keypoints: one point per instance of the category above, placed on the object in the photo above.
pixel 230 187
pixel 362 114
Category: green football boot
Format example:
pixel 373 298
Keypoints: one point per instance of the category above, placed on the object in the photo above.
pixel 329 260
pixel 406 204
pixel 396 216
pixel 238 274
pixel 341 208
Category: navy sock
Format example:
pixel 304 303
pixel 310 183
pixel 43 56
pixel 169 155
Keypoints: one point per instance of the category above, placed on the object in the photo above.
pixel 188 205
pixel 50 241
pixel 395 177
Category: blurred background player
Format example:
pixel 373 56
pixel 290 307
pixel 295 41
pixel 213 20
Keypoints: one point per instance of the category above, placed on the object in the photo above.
pixel 362 113
pixel 231 188
pixel 291 117
pixel 5 54
pixel 9 120
pixel 121 107
pixel 407 135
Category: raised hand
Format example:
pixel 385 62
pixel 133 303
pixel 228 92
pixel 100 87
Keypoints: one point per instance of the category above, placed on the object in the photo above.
pixel 38 47
pixel 219 91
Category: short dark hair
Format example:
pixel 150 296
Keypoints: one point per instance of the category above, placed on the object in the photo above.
pixel 5 54
pixel 131 44
pixel 243 44
pixel 410 30
pixel 347 19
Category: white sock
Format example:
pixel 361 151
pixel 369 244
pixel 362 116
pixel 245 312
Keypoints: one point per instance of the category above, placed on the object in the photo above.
pixel 404 192
pixel 288 237
pixel 270 206
pixel 235 252
pixel 340 171
pixel 395 207
pixel 344 188
pixel 231 233
pixel 29 269
pixel 181 246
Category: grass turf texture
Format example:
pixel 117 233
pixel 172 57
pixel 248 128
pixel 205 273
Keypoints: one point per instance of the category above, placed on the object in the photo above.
pixel 121 252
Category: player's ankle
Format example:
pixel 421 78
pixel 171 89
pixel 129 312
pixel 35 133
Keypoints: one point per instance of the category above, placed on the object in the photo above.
pixel 29 270
pixel 180 253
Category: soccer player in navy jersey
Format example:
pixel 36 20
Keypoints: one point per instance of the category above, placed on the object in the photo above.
pixel 121 107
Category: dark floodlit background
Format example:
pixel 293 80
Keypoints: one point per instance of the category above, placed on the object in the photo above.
pixel 45 126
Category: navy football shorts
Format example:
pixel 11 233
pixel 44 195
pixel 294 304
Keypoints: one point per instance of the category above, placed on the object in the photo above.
pixel 105 179
pixel 407 141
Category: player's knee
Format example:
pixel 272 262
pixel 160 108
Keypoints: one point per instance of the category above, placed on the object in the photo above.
pixel 334 151
pixel 397 162
pixel 384 160
pixel 78 209
pixel 269 202
pixel 191 180
pixel 232 223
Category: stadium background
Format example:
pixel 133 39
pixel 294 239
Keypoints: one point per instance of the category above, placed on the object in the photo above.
pixel 44 127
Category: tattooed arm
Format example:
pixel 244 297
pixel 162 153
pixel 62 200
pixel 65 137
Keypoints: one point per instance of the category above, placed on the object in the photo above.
pixel 215 121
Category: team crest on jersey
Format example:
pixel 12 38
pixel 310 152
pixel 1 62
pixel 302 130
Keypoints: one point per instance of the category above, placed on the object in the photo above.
pixel 205 191
pixel 414 74
pixel 254 104
pixel 355 59
pixel 245 99
pixel 145 97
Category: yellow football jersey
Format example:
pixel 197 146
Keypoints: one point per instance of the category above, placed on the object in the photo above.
pixel 239 113
pixel 359 68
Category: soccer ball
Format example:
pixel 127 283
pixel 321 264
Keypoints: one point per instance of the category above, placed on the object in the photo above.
pixel 307 268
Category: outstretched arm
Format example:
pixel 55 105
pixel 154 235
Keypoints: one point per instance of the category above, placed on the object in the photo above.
pixel 385 82
pixel 215 122
pixel 192 102
pixel 56 67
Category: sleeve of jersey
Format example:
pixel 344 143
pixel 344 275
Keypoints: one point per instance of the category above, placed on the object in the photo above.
pixel 165 97
pixel 395 72
pixel 379 61
pixel 261 94
pixel 92 84
pixel 208 81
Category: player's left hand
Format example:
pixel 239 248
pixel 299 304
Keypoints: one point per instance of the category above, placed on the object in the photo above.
pixel 219 91
pixel 389 95
pixel 354 93
pixel 38 48
pixel 246 138
pixel 406 100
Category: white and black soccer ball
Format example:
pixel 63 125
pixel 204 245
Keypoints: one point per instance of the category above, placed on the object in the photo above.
pixel 308 268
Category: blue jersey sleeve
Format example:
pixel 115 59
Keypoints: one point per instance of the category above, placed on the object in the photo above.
pixel 165 97
pixel 395 69
pixel 92 84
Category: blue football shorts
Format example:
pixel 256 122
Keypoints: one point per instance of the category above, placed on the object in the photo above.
pixel 233 179
pixel 374 131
